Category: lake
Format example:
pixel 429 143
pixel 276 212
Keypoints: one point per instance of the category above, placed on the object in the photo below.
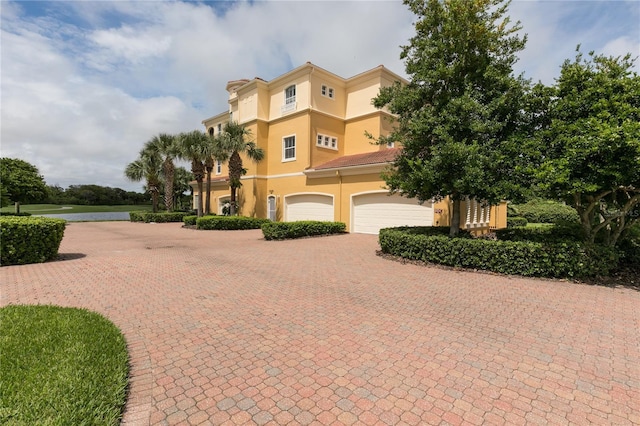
pixel 87 217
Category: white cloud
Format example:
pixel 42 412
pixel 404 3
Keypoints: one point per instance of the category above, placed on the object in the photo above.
pixel 87 83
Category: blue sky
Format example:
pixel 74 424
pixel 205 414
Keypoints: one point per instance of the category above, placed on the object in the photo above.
pixel 85 83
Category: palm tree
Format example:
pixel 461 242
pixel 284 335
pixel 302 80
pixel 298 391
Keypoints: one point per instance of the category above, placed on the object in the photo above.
pixel 147 167
pixel 181 185
pixel 217 153
pixel 195 147
pixel 234 141
pixel 166 147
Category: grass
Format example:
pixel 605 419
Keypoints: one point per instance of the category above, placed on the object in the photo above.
pixel 71 208
pixel 60 366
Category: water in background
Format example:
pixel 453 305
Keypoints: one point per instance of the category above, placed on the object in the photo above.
pixel 89 216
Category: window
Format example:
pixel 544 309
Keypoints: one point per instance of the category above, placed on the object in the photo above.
pixel 219 127
pixel 210 131
pixel 327 91
pixel 325 141
pixel 390 144
pixel 289 148
pixel 289 99
pixel 218 167
pixel 290 95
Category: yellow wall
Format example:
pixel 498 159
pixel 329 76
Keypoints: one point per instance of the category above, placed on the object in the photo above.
pixel 347 116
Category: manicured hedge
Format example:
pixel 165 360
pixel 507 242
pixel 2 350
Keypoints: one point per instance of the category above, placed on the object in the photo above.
pixel 190 220
pixel 229 222
pixel 543 234
pixel 516 222
pixel 149 217
pixel 557 259
pixel 545 211
pixel 15 214
pixel 29 239
pixel 299 229
pixel 630 247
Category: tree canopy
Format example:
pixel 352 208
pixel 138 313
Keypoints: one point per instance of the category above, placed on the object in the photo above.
pixel 589 143
pixel 21 182
pixel 461 106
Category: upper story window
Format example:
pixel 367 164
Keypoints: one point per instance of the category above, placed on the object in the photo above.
pixel 327 91
pixel 219 127
pixel 325 141
pixel 289 148
pixel 290 94
pixel 391 144
pixel 218 167
pixel 210 131
pixel 289 99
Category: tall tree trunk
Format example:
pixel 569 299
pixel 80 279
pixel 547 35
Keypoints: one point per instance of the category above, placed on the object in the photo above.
pixel 200 190
pixel 207 204
pixel 454 227
pixel 235 172
pixel 154 198
pixel 169 171
pixel 232 202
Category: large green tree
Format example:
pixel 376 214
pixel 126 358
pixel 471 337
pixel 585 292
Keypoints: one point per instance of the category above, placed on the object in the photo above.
pixel 590 144
pixel 147 167
pixel 236 140
pixel 21 182
pixel 166 146
pixel 457 115
pixel 217 153
pixel 195 147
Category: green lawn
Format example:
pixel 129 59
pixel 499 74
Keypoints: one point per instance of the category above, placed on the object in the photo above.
pixel 70 208
pixel 60 366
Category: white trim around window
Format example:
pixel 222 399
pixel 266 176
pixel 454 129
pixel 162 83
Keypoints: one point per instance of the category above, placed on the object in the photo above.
pixel 325 141
pixel 289 148
pixel 327 91
pixel 218 167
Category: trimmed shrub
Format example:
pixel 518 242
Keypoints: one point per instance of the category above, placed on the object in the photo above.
pixel 560 259
pixel 560 232
pixel 629 247
pixel 229 222
pixel 299 229
pixel 164 217
pixel 546 211
pixel 516 222
pixel 29 239
pixel 190 220
pixel 15 214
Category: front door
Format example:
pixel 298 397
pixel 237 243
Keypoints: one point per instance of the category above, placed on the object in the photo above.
pixel 271 204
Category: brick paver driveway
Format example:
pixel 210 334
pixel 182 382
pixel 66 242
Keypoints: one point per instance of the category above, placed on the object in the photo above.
pixel 226 328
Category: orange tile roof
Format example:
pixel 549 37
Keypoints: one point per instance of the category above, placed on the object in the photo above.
pixel 377 157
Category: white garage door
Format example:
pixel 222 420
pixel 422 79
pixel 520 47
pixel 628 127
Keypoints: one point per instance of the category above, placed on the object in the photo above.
pixel 309 207
pixel 371 212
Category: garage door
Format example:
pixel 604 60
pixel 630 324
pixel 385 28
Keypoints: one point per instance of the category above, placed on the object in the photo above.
pixel 371 212
pixel 309 207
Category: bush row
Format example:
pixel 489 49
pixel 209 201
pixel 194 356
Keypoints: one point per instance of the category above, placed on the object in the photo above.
pixel 516 222
pixel 299 229
pixel 561 232
pixel 29 239
pixel 545 211
pixel 229 222
pixel 630 247
pixel 557 259
pixel 15 214
pixel 149 217
pixel 190 220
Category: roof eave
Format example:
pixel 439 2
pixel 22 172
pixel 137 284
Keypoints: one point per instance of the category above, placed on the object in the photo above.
pixel 361 169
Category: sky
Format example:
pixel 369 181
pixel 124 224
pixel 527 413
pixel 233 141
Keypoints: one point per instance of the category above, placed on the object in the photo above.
pixel 84 84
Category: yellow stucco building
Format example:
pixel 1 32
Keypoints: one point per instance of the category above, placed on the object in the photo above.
pixel 319 164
